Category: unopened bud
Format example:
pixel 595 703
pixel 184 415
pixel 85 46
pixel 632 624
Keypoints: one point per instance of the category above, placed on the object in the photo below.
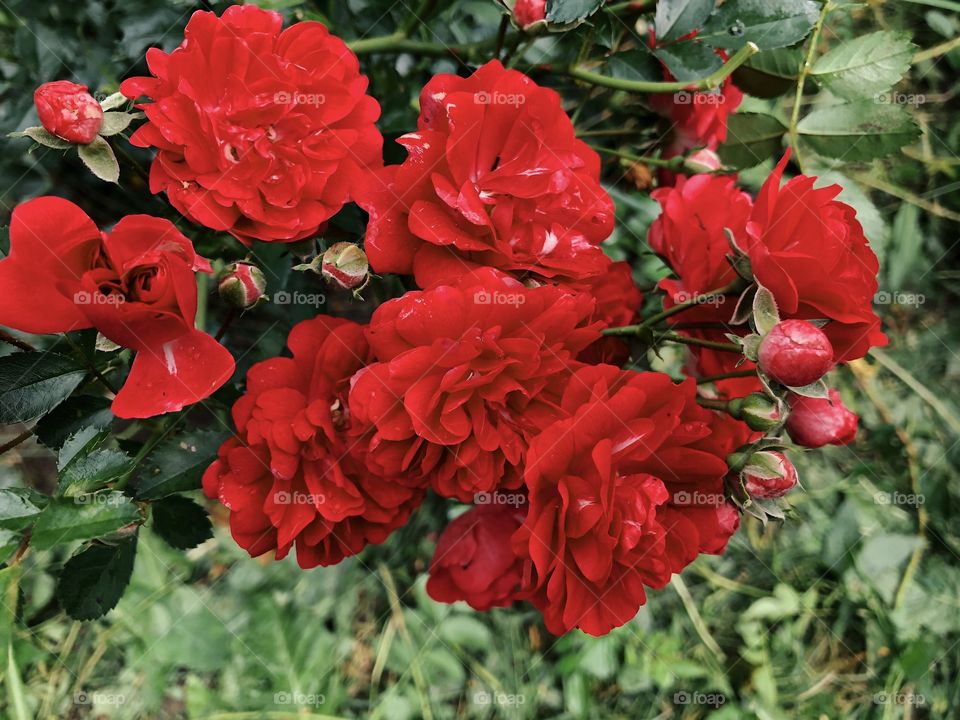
pixel 242 285
pixel 345 264
pixel 68 111
pixel 769 475
pixel 795 353
pixel 758 411
pixel 527 13
pixel 702 161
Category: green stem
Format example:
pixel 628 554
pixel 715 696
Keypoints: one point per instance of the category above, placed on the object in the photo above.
pixel 15 341
pixel 16 441
pixel 731 287
pixel 713 80
pixel 698 342
pixel 417 16
pixel 711 404
pixel 674 163
pixel 802 78
pixel 726 376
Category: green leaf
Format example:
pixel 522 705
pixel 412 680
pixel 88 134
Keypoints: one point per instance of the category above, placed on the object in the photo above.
pixel 43 137
pixel 676 18
pixel 93 471
pixel 865 66
pixel 181 522
pixel 9 542
pixel 33 383
pixel 769 74
pixel 689 60
pixel 768 23
pixel 93 581
pixel 908 248
pixel 636 64
pixel 17 508
pixel 116 122
pixel 99 158
pixel 81 443
pixel 82 518
pixel 177 464
pixel 112 102
pixel 563 12
pixel 817 389
pixel 765 313
pixel 70 417
pixel 858 131
pixel 751 139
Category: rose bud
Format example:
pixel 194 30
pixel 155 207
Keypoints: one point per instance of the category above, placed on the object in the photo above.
pixel 345 264
pixel 242 285
pixel 529 12
pixel 68 111
pixel 702 161
pixel 795 353
pixel 815 422
pixel 758 411
pixel 769 475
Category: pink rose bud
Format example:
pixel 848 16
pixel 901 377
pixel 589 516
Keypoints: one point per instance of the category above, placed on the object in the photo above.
pixel 815 422
pixel 345 264
pixel 758 411
pixel 702 161
pixel 68 111
pixel 769 475
pixel 795 353
pixel 529 12
pixel 242 285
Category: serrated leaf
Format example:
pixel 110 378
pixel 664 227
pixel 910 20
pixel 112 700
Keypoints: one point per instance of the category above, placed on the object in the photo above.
pixel 765 312
pixel 769 74
pixel 689 60
pixel 177 464
pixel 858 131
pixel 865 66
pixel 42 136
pixel 93 581
pixel 750 345
pixel 744 307
pixel 71 416
pixel 33 383
pixel 636 64
pixel 768 23
pixel 181 522
pixel 81 443
pixel 82 518
pixel 99 158
pixel 563 12
pixel 751 139
pixel 116 122
pixel 676 18
pixel 93 471
pixel 17 509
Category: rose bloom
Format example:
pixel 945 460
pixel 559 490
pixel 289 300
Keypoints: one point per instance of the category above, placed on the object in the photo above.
pixel 290 475
pixel 135 284
pixel 808 249
pixel 689 236
pixel 466 374
pixel 474 560
pixel 624 492
pixel 260 133
pixel 494 176
pixel 618 301
pixel 68 111
pixel 815 422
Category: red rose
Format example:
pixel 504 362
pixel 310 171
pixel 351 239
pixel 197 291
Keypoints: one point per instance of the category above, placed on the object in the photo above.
pixel 259 132
pixel 618 302
pixel 290 475
pixel 809 250
pixel 135 285
pixel 474 560
pixel 624 492
pixel 689 235
pixel 795 353
pixel 815 422
pixel 494 176
pixel 466 374
pixel 68 111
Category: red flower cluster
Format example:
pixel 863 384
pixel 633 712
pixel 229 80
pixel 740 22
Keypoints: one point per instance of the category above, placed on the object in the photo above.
pixel 134 284
pixel 259 132
pixel 291 475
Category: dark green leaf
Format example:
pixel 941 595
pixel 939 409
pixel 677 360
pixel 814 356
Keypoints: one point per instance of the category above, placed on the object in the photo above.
pixel 858 131
pixel 865 66
pixel 9 542
pixel 99 158
pixel 93 581
pixel 768 23
pixel 751 139
pixel 636 64
pixel 676 18
pixel 70 417
pixel 33 383
pixel 17 509
pixel 82 518
pixel 177 464
pixel 93 471
pixel 181 522
pixel 689 60
pixel 562 12
pixel 769 74
pixel 82 443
